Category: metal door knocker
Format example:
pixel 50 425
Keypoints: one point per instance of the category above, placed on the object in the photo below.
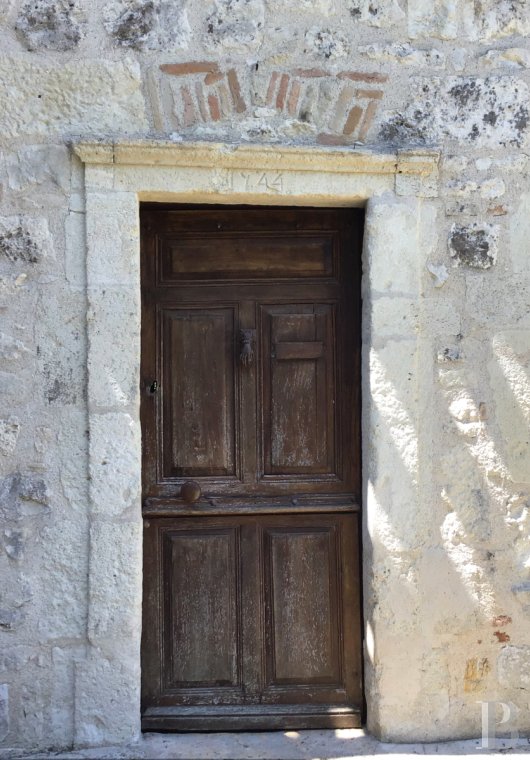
pixel 248 339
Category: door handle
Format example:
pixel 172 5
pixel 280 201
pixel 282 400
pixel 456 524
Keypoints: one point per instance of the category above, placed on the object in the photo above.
pixel 248 341
pixel 190 491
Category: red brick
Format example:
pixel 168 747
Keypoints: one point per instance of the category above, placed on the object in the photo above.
pixel 189 116
pixel 272 87
pixel 233 84
pixel 224 99
pixel 213 103
pixel 372 94
pixel 213 77
pixel 282 91
pixel 369 114
pixel 311 73
pixel 353 120
pixel 191 67
pixel 292 102
pixel 199 94
pixel 500 210
pixel 359 76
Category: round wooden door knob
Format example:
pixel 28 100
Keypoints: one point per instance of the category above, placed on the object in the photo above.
pixel 190 491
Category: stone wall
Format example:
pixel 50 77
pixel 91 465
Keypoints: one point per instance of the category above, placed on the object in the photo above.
pixel 450 600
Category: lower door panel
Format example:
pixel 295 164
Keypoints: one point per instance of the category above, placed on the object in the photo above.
pixel 251 622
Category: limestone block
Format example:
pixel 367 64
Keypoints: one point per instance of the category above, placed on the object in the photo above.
pixel 445 604
pixel 513 667
pixel 4 710
pixel 474 245
pixel 520 235
pixel 492 188
pixel 17 388
pixel 51 24
pixel 462 477
pixel 70 451
pixel 115 464
pixel 114 362
pixel 510 58
pixel 113 217
pixel 99 177
pixel 235 25
pixel 81 97
pixel 390 431
pixel 419 187
pixel 483 298
pixel 23 496
pixel 440 317
pixel 9 430
pixel 380 13
pixel 24 242
pixel 502 18
pixel 36 169
pixel 326 43
pixel 399 682
pixel 148 24
pixel 11 349
pixel 444 19
pixel 390 244
pixel 509 373
pixel 313 7
pixel 392 317
pixel 460 189
pixel 403 53
pixel 489 112
pixel 60 335
pixel 107 705
pixel 114 596
pixel 37 688
pixel 75 248
pixel 61 718
pixel 14 543
pixel 439 273
pixel 58 611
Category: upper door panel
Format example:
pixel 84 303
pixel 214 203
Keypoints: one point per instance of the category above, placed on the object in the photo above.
pixel 254 256
pixel 199 421
pixel 298 393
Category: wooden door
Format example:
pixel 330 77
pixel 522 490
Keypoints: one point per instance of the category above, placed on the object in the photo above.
pixel 251 468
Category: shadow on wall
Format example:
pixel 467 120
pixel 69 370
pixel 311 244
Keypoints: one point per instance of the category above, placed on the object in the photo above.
pixel 439 598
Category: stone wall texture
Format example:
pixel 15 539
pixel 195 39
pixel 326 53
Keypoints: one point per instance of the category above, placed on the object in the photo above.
pixel 450 593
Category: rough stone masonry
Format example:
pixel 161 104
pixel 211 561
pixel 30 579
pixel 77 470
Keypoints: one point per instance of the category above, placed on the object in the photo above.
pixel 452 596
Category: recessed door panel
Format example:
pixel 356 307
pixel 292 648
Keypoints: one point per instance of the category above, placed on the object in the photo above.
pixel 201 578
pixel 301 605
pixel 199 393
pixel 261 256
pixel 298 407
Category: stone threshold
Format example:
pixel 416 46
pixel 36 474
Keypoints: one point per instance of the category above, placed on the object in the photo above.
pixel 275 745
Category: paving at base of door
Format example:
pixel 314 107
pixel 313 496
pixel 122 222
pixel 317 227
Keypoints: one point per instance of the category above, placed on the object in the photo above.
pixel 277 745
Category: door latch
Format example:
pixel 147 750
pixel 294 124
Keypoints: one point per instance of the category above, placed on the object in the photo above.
pixel 153 387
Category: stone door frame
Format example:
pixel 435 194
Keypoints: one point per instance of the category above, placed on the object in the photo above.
pixel 398 241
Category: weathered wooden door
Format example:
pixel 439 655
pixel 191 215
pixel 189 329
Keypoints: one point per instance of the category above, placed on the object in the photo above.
pixel 251 431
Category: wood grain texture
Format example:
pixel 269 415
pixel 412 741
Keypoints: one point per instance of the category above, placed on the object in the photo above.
pixel 198 421
pixel 256 256
pixel 252 614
